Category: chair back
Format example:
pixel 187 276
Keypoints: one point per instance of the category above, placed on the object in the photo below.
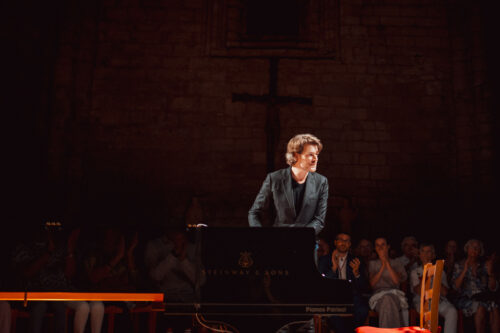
pixel 429 295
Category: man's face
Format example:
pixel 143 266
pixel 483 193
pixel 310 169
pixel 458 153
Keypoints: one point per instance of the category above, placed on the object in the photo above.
pixel 426 254
pixel 365 248
pixel 343 243
pixel 410 248
pixel 308 159
pixel 451 247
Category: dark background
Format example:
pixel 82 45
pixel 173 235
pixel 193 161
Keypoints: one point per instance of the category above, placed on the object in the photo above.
pixel 120 112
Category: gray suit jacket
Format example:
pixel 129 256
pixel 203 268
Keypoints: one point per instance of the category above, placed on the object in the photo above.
pixel 276 196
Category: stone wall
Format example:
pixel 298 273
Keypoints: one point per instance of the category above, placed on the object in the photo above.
pixel 142 116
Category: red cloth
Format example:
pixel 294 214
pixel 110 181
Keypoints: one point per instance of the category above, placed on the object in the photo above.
pixel 409 329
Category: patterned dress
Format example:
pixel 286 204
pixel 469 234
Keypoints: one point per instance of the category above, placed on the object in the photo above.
pixel 472 286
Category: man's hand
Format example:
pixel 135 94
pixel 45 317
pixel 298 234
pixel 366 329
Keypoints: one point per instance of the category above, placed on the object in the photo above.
pixel 355 266
pixel 335 260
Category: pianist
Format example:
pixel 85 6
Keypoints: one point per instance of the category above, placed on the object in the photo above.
pixel 295 196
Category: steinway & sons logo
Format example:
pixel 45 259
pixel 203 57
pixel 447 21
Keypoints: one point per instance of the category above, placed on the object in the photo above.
pixel 245 259
pixel 245 262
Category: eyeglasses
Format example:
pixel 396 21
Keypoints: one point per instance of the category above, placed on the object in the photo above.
pixel 343 240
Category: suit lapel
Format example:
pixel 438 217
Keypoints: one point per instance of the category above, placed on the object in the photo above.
pixel 308 192
pixel 287 187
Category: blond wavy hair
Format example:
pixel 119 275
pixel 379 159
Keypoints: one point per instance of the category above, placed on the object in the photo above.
pixel 296 145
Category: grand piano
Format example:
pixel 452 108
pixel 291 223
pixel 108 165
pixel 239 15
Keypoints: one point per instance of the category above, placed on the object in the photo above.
pixel 261 272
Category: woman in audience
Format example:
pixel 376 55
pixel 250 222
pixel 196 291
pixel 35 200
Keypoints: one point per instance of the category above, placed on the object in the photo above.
pixel 474 280
pixel 388 299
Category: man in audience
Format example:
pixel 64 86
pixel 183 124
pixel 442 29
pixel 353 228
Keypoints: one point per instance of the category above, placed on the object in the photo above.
pixel 364 251
pixel 427 254
pixel 176 273
pixel 341 264
pixel 409 259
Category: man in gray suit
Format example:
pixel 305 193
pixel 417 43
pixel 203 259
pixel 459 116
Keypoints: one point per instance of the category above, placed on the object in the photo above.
pixel 296 196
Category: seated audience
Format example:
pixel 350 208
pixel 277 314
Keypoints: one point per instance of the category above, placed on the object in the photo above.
pixel 364 251
pixel 111 267
pixel 427 254
pixel 176 274
pixel 388 300
pixel 341 264
pixel 323 247
pixel 159 248
pixel 475 281
pixel 82 308
pixel 451 256
pixel 47 263
pixel 409 259
pixel 174 270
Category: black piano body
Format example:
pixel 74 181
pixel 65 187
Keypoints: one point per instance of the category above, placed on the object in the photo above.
pixel 261 272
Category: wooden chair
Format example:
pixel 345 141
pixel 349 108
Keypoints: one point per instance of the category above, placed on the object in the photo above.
pixel 429 304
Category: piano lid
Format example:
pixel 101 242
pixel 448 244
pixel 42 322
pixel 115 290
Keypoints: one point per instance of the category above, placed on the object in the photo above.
pixel 262 266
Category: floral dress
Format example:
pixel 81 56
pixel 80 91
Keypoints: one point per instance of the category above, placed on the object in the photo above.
pixel 472 285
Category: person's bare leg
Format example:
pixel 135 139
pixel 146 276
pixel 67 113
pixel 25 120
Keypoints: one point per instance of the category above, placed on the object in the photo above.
pixel 479 319
pixel 495 320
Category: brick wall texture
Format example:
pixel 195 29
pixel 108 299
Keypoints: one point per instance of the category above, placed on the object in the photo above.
pixel 141 118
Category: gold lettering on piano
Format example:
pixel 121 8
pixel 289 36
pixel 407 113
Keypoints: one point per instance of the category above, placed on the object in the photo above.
pixel 312 309
pixel 332 309
pixel 245 260
pixel 327 309
pixel 276 272
pixel 245 272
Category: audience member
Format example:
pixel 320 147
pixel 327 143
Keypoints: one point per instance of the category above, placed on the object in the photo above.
pixel 388 300
pixel 159 248
pixel 44 265
pixel 451 257
pixel 82 308
pixel 409 258
pixel 364 251
pixel 427 254
pixel 176 273
pixel 323 247
pixel 474 279
pixel 111 267
pixel 341 264
pixel 4 317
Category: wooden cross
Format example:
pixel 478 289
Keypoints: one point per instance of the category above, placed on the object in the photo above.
pixel 273 102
